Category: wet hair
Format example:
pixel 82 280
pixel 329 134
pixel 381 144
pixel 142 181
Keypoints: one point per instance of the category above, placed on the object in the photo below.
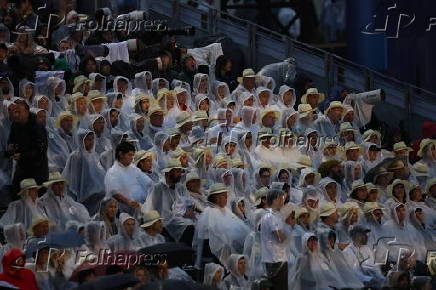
pixel 124 147
pixel 272 195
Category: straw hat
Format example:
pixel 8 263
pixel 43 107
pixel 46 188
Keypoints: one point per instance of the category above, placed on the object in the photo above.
pixel 200 115
pixel 425 143
pixel 149 218
pixel 257 196
pixel 346 207
pixel 217 188
pixel 397 164
pixel 382 171
pixel 346 127
pixel 421 169
pixel 371 206
pixel 219 160
pixel 155 109
pixel 300 211
pixel 162 93
pixel 27 184
pixel 368 133
pixel 267 111
pixel 333 105
pixel 312 91
pixel 327 209
pixel 96 95
pixel 370 187
pixel 79 81
pixel 248 73
pixel 172 164
pixel 37 220
pixel 191 176
pixel 355 185
pixel 304 110
pixel 304 161
pixel 401 146
pixel 182 119
pixel 63 115
pixel 287 210
pixel 141 155
pixel 396 182
pixel 353 146
pixel 53 178
pixel 238 163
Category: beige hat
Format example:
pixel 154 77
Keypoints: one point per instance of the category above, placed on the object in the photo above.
pixel 267 111
pixel 27 184
pixel 200 115
pixel 77 96
pixel 327 209
pixel 421 169
pixel 353 146
pixel 95 95
pixel 248 73
pixel 312 91
pixel 346 127
pixel 154 109
pixel 355 185
pixel 37 220
pixel 304 110
pixel 371 206
pixel 304 161
pixel 219 160
pixel 172 164
pixel 333 105
pixel 53 178
pixel 368 133
pixel 182 119
pixel 397 164
pixel 299 211
pixel 141 97
pixel 287 210
pixel 370 187
pixel 78 82
pixel 346 207
pixel 424 143
pixel 191 176
pixel 149 218
pixel 257 196
pixel 163 93
pixel 382 171
pixel 238 163
pixel 217 188
pixel 401 146
pixel 141 155
pixel 63 115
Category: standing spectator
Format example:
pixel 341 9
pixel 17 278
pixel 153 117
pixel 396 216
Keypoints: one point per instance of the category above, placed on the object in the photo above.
pixel 189 69
pixel 28 147
pixel 273 237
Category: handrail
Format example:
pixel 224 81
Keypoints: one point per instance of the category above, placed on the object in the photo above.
pixel 266 46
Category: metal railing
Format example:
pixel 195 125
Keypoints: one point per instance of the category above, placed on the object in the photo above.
pixel 262 46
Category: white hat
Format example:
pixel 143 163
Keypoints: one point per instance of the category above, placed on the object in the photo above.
pixel 149 218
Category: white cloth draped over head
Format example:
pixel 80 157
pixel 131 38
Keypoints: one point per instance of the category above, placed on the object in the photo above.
pixel 107 158
pixel 37 103
pixel 94 76
pixel 141 86
pixel 209 273
pixel 236 279
pixel 143 140
pixel 155 87
pixel 129 99
pixel 83 172
pixel 280 103
pixel 24 84
pixel 198 77
pixel 259 90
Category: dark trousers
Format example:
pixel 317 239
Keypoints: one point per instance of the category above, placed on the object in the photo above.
pixel 278 275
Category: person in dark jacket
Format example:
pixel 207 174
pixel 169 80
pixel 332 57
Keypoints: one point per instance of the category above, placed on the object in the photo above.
pixel 223 72
pixel 14 272
pixel 189 69
pixel 28 144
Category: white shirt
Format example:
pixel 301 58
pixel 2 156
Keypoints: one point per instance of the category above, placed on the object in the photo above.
pixel 128 181
pixel 272 250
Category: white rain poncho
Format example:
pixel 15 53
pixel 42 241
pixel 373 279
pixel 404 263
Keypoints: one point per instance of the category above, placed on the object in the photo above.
pixel 310 272
pixel 107 158
pixel 224 126
pixel 210 270
pixel 404 233
pixel 170 112
pixel 162 198
pixel 102 142
pixel 232 138
pixel 123 117
pixel 155 86
pixel 56 92
pixel 326 127
pixel 147 240
pixel 15 236
pixel 93 77
pixel 425 230
pixel 334 258
pixel 247 154
pixel 286 119
pixel 245 99
pixel 62 209
pixel 128 181
pixel 200 99
pixel 280 103
pixel 128 98
pixel 236 278
pixel 310 193
pixel 95 237
pixel 143 81
pixel 267 82
pixel 42 102
pixel 198 77
pixel 220 92
pixel 177 225
pixel 21 211
pixel 240 180
pixel 143 140
pixel 28 90
pixel 325 197
pixel 8 92
pixel 161 156
pixel 252 249
pixel 182 99
pixel 248 122
pixel 349 169
pixel 363 104
pixel 225 231
pixel 178 83
pixel 261 106
pixel 429 160
pixel 83 172
pixel 122 241
pixel 313 151
pixel 110 224
pixel 370 164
